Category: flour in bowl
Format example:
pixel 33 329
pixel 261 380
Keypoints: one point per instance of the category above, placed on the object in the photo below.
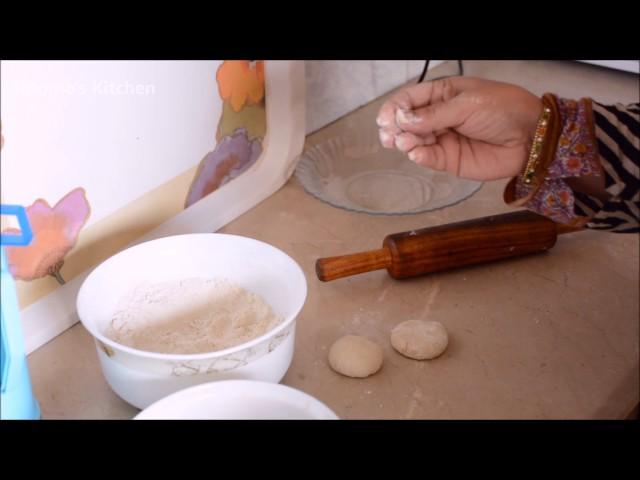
pixel 194 315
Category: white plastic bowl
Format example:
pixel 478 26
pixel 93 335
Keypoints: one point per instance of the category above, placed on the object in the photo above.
pixel 238 400
pixel 141 377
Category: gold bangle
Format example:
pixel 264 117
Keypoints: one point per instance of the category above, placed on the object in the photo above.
pixel 536 147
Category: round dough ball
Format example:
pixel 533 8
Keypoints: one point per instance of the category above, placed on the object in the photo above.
pixel 355 356
pixel 419 339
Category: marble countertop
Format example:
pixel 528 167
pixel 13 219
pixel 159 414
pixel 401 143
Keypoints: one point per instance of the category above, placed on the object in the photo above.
pixel 547 336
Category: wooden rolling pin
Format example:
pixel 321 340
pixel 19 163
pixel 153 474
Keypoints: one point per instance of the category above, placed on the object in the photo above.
pixel 445 247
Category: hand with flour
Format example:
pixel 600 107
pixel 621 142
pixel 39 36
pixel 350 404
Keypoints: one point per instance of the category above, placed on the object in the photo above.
pixel 471 127
pixel 579 154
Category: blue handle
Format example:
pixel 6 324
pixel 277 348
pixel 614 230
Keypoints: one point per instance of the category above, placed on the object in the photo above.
pixel 25 236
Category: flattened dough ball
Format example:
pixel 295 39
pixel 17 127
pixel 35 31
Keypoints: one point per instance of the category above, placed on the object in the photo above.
pixel 355 356
pixel 419 339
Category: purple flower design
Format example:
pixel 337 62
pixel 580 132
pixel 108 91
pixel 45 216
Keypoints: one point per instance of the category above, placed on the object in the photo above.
pixel 231 157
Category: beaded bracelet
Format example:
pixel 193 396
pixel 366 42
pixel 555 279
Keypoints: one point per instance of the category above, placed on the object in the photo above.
pixel 536 147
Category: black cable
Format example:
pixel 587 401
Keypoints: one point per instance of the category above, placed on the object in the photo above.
pixel 424 71
pixel 426 67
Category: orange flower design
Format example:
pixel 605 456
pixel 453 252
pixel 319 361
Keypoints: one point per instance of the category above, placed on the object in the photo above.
pixel 574 164
pixel 241 82
pixel 55 231
pixel 550 200
pixel 580 148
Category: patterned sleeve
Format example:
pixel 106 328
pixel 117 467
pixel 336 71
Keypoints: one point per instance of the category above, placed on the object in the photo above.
pixel 586 139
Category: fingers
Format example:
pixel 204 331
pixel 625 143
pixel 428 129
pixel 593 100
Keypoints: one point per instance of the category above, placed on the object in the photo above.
pixel 388 136
pixel 420 95
pixel 444 155
pixel 433 118
pixel 387 115
pixel 429 156
pixel 406 141
pixel 403 141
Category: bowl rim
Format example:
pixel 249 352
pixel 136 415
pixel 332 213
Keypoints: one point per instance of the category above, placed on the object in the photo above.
pixel 255 384
pixel 183 357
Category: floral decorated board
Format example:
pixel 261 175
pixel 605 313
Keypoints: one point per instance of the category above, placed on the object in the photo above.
pixel 103 153
pixel 241 129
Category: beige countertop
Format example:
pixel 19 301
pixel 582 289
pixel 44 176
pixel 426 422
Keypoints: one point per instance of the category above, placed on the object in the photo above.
pixel 554 335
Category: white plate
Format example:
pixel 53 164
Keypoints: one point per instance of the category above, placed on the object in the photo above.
pixel 238 400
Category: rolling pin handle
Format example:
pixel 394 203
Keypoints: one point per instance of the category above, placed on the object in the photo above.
pixel 333 268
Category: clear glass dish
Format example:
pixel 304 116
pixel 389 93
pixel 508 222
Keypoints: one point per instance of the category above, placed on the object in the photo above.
pixel 354 172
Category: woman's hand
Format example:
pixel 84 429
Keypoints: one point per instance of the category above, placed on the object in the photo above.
pixel 474 128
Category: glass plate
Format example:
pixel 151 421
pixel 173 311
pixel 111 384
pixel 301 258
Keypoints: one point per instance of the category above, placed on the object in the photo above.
pixel 354 172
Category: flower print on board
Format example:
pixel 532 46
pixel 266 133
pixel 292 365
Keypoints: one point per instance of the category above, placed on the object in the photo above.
pixel 55 232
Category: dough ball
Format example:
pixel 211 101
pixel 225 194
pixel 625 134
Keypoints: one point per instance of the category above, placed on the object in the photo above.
pixel 355 356
pixel 419 339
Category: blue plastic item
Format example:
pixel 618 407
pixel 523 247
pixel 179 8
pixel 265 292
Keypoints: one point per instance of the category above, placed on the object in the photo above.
pixel 16 397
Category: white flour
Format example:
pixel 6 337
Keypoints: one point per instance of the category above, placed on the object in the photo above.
pixel 194 315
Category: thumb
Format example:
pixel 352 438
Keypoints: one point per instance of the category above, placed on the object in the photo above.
pixel 436 117
pixel 423 94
